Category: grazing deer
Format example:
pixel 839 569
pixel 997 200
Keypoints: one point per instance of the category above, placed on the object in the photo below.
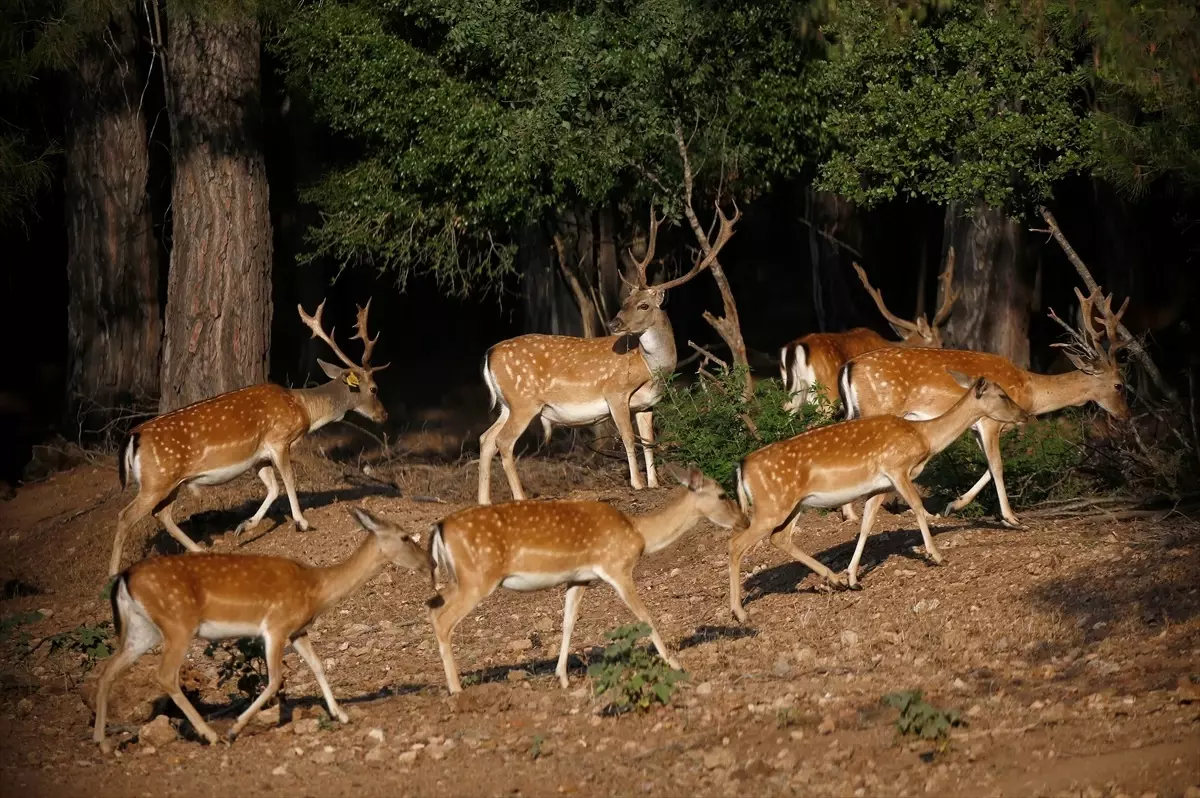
pixel 817 358
pixel 912 383
pixel 831 466
pixel 581 381
pixel 213 441
pixel 535 545
pixel 175 598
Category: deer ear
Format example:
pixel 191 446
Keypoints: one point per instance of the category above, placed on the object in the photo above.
pixel 923 328
pixel 331 371
pixel 962 379
pixel 366 520
pixel 695 479
pixel 658 296
pixel 678 474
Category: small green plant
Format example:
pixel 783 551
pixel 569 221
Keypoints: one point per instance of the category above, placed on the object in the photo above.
pixel 324 722
pixel 245 664
pixel 919 717
pixel 91 641
pixel 535 750
pixel 633 677
pixel 711 425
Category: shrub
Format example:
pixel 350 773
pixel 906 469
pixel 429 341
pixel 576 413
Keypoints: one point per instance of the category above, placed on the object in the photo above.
pixel 919 717
pixel 633 677
pixel 91 641
pixel 708 423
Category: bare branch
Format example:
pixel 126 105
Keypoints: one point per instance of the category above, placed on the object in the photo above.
pixel 949 295
pixel 898 323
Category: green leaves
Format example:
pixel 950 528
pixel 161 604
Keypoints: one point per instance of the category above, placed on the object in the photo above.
pixel 633 677
pixel 920 718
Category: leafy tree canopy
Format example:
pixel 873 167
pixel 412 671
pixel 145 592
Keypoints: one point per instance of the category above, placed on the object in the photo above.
pixel 472 119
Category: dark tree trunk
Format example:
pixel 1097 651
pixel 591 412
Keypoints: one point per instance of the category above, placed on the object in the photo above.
pixel 218 320
pixel 832 227
pixel 994 278
pixel 114 322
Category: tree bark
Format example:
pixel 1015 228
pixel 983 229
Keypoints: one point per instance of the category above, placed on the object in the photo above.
pixel 218 320
pixel 833 233
pixel 113 314
pixel 995 283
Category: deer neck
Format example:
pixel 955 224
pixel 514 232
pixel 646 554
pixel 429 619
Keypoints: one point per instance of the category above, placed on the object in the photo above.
pixel 666 525
pixel 657 345
pixel 335 582
pixel 942 431
pixel 324 404
pixel 1050 392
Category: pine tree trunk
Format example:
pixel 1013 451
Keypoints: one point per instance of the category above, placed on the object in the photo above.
pixel 995 283
pixel 832 225
pixel 218 320
pixel 113 314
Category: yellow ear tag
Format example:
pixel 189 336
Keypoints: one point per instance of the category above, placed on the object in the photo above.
pixel 351 379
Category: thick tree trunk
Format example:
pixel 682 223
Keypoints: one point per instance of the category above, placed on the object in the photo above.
pixel 113 314
pixel 995 283
pixel 832 228
pixel 218 320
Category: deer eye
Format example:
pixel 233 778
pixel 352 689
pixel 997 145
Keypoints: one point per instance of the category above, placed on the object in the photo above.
pixel 644 306
pixel 374 390
pixel 1120 387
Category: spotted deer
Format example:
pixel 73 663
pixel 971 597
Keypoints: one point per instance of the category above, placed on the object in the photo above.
pixel 581 381
pixel 913 383
pixel 216 440
pixel 173 599
pixel 863 458
pixel 536 545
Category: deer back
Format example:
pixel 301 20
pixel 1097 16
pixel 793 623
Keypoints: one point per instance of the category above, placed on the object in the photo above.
pixel 562 369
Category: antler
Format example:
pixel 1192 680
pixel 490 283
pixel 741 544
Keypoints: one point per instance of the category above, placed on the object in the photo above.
pixel 643 280
pixel 949 295
pixel 723 235
pixel 895 321
pixel 360 333
pixel 1086 344
pixel 313 323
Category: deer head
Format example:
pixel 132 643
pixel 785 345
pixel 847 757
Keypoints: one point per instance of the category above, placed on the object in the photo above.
pixel 1087 352
pixel 993 400
pixel 356 384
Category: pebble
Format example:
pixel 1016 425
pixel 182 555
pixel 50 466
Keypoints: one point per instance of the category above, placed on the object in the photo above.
pixel 704 688
pixel 376 734
pixel 520 644
pixel 280 771
pixel 408 757
pixel 849 638
pixel 325 756
pixel 718 758
pixel 157 732
pixel 24 706
pixel 517 675
pixel 306 726
pixel 827 725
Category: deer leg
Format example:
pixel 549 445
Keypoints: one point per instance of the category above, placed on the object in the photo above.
pixel 782 539
pixel 163 515
pixel 989 441
pixel 141 506
pixel 506 440
pixel 267 475
pixel 274 649
pixel 547 429
pixel 283 461
pixel 455 606
pixel 848 513
pixel 618 406
pixel 645 425
pixel 908 491
pixel 487 451
pixel 868 521
pixel 173 653
pixel 570 613
pixel 304 648
pixel 623 584
pixel 739 544
pixel 138 635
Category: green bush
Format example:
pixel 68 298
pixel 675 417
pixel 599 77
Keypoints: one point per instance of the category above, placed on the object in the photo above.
pixel 91 641
pixel 705 423
pixel 633 677
pixel 919 717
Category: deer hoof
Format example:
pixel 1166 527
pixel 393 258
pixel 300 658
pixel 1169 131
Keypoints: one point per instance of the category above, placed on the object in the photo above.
pixel 1012 523
pixel 302 526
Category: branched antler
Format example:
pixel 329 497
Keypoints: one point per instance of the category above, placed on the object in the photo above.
pixel 315 324
pixel 899 324
pixel 1086 349
pixel 949 295
pixel 651 243
pixel 723 235
pixel 360 333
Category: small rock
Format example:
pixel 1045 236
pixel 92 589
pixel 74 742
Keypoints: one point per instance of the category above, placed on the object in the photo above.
pixel 146 750
pixel 344 645
pixel 520 644
pixel 280 771
pixel 975 711
pixel 960 686
pixel 827 725
pixel 24 706
pixel 718 758
pixel 408 757
pixel 781 668
pixel 375 734
pixel 376 754
pixel 157 732
pixel 543 624
pixel 517 675
pixel 926 605
pixel 306 726
pixel 325 756
pixel 704 688
pixel 268 717
pixel 849 638
pixel 796 734
pixel 46 613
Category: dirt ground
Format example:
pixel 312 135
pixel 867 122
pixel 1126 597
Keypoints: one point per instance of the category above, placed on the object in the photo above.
pixel 1072 650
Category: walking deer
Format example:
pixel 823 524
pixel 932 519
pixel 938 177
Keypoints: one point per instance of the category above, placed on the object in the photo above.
pixel 831 466
pixel 581 381
pixel 216 440
pixel 175 598
pixel 536 545
pixel 913 383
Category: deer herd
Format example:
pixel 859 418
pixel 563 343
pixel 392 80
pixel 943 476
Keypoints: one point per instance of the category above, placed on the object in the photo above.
pixel 905 401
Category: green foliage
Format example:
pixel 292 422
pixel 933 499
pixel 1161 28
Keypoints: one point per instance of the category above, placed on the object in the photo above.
pixel 1046 459
pixel 969 102
pixel 91 641
pixel 705 423
pixel 474 120
pixel 919 717
pixel 244 663
pixel 634 678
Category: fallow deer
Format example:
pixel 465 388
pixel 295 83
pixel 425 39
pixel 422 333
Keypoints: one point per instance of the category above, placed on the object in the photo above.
pixel 535 545
pixel 175 598
pixel 831 466
pixel 912 383
pixel 581 381
pixel 216 440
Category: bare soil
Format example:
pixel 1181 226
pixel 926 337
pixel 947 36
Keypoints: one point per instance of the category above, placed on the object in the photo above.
pixel 1072 650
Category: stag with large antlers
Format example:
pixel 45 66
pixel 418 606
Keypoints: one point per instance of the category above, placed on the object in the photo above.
pixel 218 439
pixel 577 382
pixel 912 383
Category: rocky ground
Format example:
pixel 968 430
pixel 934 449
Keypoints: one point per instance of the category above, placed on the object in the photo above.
pixel 1072 651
